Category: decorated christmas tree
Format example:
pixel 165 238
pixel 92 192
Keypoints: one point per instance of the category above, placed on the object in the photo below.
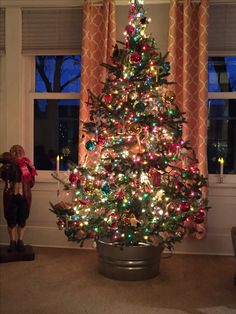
pixel 139 182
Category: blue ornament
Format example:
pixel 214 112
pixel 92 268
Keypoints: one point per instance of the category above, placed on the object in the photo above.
pixel 140 106
pixel 106 188
pixel 198 194
pixel 166 67
pixel 90 145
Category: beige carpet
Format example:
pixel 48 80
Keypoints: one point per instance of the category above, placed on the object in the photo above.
pixel 66 281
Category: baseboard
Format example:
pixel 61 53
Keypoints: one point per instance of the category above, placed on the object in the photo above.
pixel 213 244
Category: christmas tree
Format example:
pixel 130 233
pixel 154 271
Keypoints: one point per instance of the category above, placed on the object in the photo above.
pixel 139 182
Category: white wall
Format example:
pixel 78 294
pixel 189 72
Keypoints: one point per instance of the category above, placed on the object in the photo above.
pixel 41 227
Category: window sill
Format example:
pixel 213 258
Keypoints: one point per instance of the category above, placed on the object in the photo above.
pixel 229 181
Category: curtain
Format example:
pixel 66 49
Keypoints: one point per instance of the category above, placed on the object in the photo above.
pixel 98 39
pixel 188 56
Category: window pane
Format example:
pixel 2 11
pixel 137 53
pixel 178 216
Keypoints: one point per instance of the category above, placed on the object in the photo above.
pixel 222 135
pixel 59 74
pixel 56 124
pixel 222 74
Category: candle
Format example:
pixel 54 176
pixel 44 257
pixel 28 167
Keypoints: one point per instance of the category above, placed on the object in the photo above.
pixel 58 164
pixel 221 161
pixel 57 171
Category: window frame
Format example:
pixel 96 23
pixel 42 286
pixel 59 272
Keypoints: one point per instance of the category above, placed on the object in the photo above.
pixel 228 179
pixel 28 119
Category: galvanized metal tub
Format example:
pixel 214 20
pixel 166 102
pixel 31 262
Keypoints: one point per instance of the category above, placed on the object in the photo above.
pixel 128 263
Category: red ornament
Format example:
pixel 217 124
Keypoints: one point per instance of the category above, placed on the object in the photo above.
pixel 120 195
pixel 198 219
pixel 73 178
pixel 84 202
pixel 156 178
pixel 75 223
pixel 61 224
pixel 173 147
pixel 107 98
pixel 91 233
pixel 184 206
pixel 152 52
pixel 135 57
pixel 108 168
pixel 130 29
pixel 101 140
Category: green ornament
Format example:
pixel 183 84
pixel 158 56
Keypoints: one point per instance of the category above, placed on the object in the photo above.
pixel 106 188
pixel 90 145
pixel 185 175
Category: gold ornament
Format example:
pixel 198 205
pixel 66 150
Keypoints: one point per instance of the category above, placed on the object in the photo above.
pixel 137 149
pixel 133 221
pixel 134 128
pixel 133 95
pixel 169 96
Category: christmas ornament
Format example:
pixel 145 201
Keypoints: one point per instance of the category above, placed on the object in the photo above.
pixel 198 219
pixel 169 96
pixel 133 95
pixel 184 206
pixel 130 29
pixel 90 145
pixel 73 178
pixel 134 128
pixel 156 179
pixel 84 202
pixel 106 188
pixel 120 195
pixel 61 224
pixel 107 98
pixel 135 57
pixel 101 140
pixel 139 106
pixel 134 222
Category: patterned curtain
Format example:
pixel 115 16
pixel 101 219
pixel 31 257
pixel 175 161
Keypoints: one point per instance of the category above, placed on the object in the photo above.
pixel 188 40
pixel 99 37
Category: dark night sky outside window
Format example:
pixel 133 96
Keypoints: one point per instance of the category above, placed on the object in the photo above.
pixel 222 114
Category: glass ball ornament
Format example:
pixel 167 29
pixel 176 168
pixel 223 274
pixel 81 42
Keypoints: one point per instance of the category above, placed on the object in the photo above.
pixel 184 206
pixel 169 96
pixel 134 128
pixel 198 218
pixel 61 224
pixel 101 140
pixel 107 98
pixel 106 188
pixel 90 145
pixel 133 95
pixel 135 57
pixel 73 178
pixel 130 29
pixel 140 106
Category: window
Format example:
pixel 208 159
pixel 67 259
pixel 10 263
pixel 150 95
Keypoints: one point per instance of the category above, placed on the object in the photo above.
pixel 56 110
pixel 222 113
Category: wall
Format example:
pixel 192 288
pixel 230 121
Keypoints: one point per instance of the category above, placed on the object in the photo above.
pixel 42 229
